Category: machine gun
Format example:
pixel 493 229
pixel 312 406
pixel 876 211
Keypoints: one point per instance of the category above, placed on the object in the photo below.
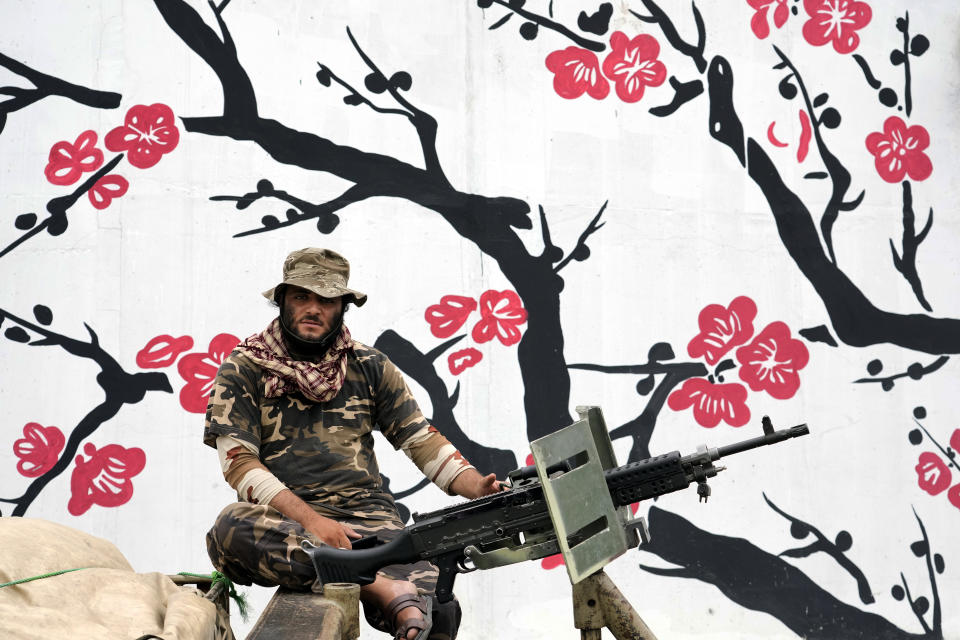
pixel 573 500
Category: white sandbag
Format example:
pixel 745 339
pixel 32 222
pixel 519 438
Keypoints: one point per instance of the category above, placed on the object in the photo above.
pixel 106 600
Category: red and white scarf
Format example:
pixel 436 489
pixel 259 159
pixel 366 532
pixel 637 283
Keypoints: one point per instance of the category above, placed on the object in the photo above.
pixel 317 381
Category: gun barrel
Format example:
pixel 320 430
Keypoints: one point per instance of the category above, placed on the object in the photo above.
pixel 761 441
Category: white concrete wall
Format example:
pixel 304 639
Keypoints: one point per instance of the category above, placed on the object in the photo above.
pixel 684 227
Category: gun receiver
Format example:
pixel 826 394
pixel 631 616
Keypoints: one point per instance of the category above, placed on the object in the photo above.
pixel 520 523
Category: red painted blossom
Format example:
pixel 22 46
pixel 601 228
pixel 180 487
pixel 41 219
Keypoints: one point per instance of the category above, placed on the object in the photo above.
pixel 954 495
pixel 772 362
pixel 199 370
pixel 577 71
pixel 712 402
pixel 106 190
pixel 898 151
pixel 162 351
pixel 501 313
pixel 148 132
pixel 835 21
pixel 722 329
pixel 933 474
pixel 760 22
pixel 105 479
pixel 632 65
pixel 955 440
pixel 449 315
pixel 38 449
pixel 460 361
pixel 67 162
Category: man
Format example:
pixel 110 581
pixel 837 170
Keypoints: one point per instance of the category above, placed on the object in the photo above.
pixel 291 415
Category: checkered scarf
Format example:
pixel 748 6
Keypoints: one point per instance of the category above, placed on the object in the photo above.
pixel 317 381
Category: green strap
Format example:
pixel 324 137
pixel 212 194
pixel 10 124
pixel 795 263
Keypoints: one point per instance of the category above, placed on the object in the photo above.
pixel 217 577
pixel 45 575
pixel 239 598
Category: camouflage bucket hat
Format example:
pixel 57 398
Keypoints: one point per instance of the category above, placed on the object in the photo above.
pixel 322 271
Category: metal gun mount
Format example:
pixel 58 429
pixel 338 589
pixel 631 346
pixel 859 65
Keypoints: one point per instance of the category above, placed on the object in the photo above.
pixel 570 463
pixel 591 530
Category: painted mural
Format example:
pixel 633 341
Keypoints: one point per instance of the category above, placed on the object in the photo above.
pixel 691 214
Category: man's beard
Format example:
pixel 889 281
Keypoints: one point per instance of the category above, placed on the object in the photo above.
pixel 289 324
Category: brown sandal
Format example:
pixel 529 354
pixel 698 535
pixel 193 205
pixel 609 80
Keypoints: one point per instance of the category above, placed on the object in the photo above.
pixel 423 624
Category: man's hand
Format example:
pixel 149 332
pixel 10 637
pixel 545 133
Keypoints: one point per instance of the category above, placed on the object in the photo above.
pixel 470 484
pixel 333 533
pixel 329 531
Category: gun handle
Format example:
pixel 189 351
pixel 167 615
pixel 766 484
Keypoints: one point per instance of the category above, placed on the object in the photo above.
pixel 449 566
pixel 360 565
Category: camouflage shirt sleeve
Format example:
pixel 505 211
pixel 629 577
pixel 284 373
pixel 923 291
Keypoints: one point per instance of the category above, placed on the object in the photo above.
pixel 397 414
pixel 233 408
pixel 405 427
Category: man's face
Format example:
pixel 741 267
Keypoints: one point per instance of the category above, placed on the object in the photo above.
pixel 309 316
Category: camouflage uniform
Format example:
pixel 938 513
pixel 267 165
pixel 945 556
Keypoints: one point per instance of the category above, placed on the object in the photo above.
pixel 323 452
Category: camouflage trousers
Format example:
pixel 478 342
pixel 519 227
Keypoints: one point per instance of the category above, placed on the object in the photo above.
pixel 251 543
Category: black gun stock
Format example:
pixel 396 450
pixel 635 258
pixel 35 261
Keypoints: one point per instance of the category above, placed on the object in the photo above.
pixel 515 524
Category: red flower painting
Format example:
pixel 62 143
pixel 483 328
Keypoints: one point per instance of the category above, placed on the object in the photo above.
pixel 933 474
pixel 38 449
pixel 577 71
pixel 722 329
pixel 772 362
pixel 200 369
pixel 107 189
pixel 898 151
pixel 147 134
pixel 763 11
pixel 501 313
pixel 836 22
pixel 712 402
pixel 953 495
pixel 632 65
pixel 162 351
pixel 105 479
pixel 449 315
pixel 460 361
pixel 68 161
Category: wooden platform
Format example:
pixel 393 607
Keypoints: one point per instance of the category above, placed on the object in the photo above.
pixel 302 615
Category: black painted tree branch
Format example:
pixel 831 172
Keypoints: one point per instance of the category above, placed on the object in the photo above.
pixel 839 176
pixel 326 75
pixel 56 222
pixel 855 319
pixel 640 429
pixel 516 7
pixel 119 388
pixel 904 26
pixel 46 86
pixel 949 455
pixel 419 367
pixel 424 123
pixel 488 222
pixel 660 18
pixel 324 213
pixel 836 550
pixel 906 263
pixel 915 371
pixel 683 92
pixel 760 583
pixel 921 548
pixel 580 251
